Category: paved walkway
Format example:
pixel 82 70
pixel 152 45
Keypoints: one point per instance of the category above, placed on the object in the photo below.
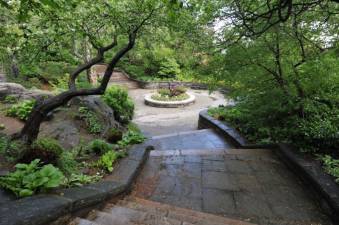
pixel 200 171
pixel 157 121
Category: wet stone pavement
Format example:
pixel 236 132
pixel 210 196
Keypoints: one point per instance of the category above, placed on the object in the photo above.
pixel 200 171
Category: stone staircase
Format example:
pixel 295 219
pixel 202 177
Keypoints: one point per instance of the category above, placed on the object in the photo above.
pixel 197 177
pixel 137 211
pixel 119 78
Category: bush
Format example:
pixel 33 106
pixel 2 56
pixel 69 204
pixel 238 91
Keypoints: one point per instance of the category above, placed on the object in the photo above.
pixel 21 110
pixel 180 89
pixel 99 147
pixel 12 150
pixel 131 137
pixel 164 92
pixel 10 99
pixel 113 135
pixel 117 98
pixel 67 163
pixel 107 160
pixel 169 68
pixel 331 166
pixel 47 150
pixel 28 179
pixel 93 124
pixel 77 180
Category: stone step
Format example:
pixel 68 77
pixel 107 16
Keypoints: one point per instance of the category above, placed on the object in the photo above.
pixel 181 133
pixel 104 218
pixel 180 214
pixel 198 139
pixel 80 221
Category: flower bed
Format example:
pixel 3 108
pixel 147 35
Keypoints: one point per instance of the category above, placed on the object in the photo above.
pixel 171 97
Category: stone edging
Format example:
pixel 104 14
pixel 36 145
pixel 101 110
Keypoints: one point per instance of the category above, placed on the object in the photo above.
pixel 311 173
pixel 232 135
pixel 308 170
pixel 168 104
pixel 46 208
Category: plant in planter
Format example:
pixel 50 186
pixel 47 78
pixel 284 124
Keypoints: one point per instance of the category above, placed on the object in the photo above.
pixel 171 94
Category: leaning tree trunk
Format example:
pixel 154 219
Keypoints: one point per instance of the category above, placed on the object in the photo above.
pixel 31 128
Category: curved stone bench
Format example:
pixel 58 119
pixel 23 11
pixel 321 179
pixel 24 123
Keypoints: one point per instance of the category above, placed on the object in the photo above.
pixel 168 104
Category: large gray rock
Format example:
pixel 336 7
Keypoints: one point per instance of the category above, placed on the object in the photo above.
pixel 11 89
pixel 21 92
pixel 101 109
pixel 65 131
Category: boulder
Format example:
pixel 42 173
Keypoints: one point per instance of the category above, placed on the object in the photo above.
pixel 101 109
pixel 65 131
pixel 21 92
pixel 11 89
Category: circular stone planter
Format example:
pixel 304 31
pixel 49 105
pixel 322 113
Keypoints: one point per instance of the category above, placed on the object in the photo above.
pixel 169 104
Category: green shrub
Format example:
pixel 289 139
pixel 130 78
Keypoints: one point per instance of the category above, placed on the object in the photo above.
pixel 113 135
pixel 331 166
pixel 93 124
pixel 28 179
pixel 77 180
pixel 107 160
pixel 117 98
pixel 2 126
pixel 169 68
pixel 21 110
pixel 10 99
pixel 47 150
pixel 131 137
pixel 99 147
pixel 12 150
pixel 180 89
pixel 67 163
pixel 164 92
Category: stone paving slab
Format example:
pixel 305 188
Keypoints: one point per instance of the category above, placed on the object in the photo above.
pixel 250 185
pixel 205 139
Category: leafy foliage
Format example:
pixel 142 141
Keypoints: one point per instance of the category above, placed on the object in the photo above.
pixel 131 137
pixel 331 166
pixel 93 124
pixel 28 179
pixel 117 98
pixel 171 94
pixel 21 110
pixel 108 159
pixel 77 180
pixel 12 150
pixel 169 68
pixel 47 150
pixel 99 147
pixel 10 99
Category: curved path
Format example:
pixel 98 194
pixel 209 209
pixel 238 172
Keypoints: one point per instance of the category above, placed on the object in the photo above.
pixel 157 121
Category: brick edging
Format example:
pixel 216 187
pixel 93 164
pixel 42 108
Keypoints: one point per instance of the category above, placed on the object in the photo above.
pixel 45 208
pixel 308 170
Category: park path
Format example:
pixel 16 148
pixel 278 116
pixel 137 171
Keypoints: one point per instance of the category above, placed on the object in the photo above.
pixel 197 177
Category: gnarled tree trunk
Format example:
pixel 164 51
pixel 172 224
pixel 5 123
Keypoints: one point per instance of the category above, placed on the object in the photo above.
pixel 31 129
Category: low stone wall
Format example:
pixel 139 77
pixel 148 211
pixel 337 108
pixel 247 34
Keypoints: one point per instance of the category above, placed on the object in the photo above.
pixel 310 171
pixel 45 208
pixel 164 84
pixel 231 134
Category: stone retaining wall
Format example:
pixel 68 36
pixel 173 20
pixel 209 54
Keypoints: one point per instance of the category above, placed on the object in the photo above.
pixel 45 208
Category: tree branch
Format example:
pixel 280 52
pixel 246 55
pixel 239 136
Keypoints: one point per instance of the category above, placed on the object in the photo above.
pixel 99 58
